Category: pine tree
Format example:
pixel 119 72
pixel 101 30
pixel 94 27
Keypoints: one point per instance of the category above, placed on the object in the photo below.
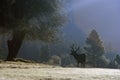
pixel 94 49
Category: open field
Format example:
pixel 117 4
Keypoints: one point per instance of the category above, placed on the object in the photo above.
pixel 34 71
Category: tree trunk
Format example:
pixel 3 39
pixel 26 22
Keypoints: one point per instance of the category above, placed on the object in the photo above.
pixel 15 44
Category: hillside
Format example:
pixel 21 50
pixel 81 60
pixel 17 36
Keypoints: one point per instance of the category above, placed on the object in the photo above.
pixel 35 71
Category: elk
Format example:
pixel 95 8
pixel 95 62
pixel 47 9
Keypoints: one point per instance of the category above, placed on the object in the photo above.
pixel 80 58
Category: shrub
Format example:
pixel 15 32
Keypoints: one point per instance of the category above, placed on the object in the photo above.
pixel 55 60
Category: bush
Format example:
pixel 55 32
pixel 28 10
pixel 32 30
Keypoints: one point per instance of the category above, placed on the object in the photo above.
pixel 55 60
pixel 102 62
pixel 68 61
pixel 113 65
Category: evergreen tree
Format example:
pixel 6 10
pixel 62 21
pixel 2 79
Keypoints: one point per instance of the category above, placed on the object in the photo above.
pixel 94 49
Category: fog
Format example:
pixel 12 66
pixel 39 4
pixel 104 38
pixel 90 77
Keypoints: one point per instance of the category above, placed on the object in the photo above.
pixel 102 15
pixel 83 16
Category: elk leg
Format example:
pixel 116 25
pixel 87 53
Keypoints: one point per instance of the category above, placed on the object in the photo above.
pixel 78 64
pixel 81 65
pixel 84 65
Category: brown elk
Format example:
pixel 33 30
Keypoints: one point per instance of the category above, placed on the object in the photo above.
pixel 80 58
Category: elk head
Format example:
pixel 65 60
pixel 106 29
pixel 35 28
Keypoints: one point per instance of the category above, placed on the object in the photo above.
pixel 74 49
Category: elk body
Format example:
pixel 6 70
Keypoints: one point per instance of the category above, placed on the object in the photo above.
pixel 80 58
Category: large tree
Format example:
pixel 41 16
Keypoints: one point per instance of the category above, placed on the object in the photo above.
pixel 36 19
pixel 95 50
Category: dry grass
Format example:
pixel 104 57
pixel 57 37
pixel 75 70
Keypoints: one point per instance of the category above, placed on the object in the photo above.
pixel 35 71
pixel 23 65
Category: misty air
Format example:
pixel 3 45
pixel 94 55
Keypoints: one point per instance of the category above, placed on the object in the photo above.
pixel 59 40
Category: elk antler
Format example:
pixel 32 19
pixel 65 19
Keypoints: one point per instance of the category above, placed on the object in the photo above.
pixel 73 48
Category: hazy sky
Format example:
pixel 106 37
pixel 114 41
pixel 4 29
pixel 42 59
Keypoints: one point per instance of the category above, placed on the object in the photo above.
pixel 102 15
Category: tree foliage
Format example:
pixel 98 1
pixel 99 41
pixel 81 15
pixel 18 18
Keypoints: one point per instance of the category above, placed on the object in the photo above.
pixel 34 19
pixel 94 48
pixel 38 18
